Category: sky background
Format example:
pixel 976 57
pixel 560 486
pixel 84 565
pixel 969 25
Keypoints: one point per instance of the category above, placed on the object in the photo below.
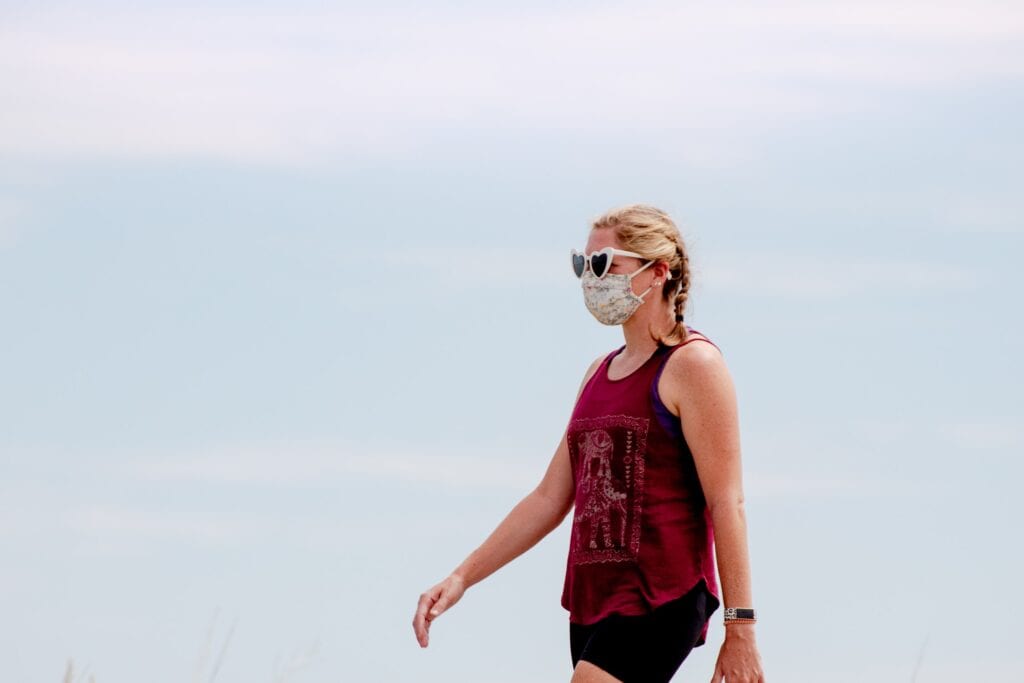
pixel 289 324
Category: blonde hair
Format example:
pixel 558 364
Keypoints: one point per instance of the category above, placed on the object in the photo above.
pixel 650 232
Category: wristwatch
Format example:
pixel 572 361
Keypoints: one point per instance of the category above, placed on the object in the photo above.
pixel 739 613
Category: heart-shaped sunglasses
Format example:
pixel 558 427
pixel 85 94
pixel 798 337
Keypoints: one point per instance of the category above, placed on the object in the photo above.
pixel 600 261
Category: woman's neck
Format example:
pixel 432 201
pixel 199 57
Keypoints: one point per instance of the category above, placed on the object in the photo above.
pixel 640 341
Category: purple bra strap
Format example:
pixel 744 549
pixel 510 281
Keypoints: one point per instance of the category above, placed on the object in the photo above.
pixel 664 415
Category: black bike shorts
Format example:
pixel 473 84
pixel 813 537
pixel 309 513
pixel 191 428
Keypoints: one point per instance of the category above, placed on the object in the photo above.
pixel 648 648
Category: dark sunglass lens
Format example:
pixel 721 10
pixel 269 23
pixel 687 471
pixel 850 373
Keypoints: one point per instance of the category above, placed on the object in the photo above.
pixel 599 263
pixel 578 264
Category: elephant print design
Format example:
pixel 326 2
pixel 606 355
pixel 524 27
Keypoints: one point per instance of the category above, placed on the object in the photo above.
pixel 608 456
pixel 599 489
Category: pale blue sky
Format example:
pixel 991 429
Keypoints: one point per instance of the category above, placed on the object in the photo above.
pixel 289 324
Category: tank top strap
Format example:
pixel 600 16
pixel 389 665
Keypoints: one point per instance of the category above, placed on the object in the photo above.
pixel 668 350
pixel 702 338
pixel 602 369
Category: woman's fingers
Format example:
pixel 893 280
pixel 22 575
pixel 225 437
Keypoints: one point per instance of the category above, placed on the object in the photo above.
pixel 440 606
pixel 421 622
pixel 433 604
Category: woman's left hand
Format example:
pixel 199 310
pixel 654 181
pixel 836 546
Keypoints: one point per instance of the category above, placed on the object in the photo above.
pixel 738 660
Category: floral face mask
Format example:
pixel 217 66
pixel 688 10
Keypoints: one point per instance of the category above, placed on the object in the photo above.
pixel 610 298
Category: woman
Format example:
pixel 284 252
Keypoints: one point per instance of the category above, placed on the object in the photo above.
pixel 651 462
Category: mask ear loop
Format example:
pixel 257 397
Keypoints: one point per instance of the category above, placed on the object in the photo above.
pixel 639 269
pixel 641 296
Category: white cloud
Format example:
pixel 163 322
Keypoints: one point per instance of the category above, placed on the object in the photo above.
pixel 774 486
pixel 108 519
pixel 303 463
pixel 821 277
pixel 982 214
pixel 297 87
pixel 985 434
pixel 970 433
pixel 478 266
pixel 764 485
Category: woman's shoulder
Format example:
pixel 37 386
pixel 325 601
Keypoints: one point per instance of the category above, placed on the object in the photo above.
pixel 694 370
pixel 692 359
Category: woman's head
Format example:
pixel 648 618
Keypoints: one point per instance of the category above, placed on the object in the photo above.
pixel 651 233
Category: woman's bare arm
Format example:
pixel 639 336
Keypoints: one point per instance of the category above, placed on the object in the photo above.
pixel 703 391
pixel 709 418
pixel 532 518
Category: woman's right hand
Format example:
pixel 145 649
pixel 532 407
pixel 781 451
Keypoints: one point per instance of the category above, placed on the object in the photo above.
pixel 434 603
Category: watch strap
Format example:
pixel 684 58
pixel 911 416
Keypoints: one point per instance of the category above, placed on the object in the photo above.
pixel 739 613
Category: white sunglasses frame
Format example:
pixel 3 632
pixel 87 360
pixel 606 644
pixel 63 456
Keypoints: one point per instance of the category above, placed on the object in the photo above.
pixel 610 251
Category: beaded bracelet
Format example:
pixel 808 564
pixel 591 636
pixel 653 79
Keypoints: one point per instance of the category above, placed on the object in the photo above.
pixel 739 621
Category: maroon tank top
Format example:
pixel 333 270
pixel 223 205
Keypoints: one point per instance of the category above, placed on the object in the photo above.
pixel 641 531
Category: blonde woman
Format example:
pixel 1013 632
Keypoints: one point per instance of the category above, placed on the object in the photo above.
pixel 650 463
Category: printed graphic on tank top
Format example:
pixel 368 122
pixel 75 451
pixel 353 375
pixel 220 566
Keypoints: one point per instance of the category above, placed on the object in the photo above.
pixel 641 532
pixel 610 453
